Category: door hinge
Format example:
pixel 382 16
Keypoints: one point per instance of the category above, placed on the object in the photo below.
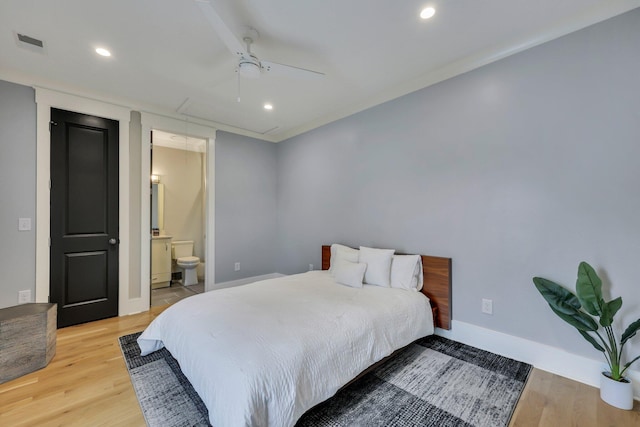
pixel 49 241
pixel 49 185
pixel 51 122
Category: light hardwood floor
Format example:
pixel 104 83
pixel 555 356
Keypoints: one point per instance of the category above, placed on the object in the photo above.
pixel 87 384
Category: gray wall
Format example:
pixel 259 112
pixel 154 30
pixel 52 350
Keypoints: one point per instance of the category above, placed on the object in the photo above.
pixel 520 168
pixel 135 203
pixel 245 213
pixel 17 191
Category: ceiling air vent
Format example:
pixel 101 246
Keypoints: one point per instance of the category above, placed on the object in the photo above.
pixel 30 43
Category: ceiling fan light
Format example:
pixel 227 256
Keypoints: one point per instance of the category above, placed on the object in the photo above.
pixel 249 70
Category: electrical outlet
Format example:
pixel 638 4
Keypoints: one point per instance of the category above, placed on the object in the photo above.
pixel 24 296
pixel 310 267
pixel 236 267
pixel 487 306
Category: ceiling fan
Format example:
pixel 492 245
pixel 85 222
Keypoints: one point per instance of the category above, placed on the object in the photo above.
pixel 249 65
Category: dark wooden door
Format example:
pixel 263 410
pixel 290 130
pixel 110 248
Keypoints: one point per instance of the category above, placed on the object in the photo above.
pixel 84 217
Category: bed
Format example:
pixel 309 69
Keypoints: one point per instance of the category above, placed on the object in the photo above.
pixel 263 354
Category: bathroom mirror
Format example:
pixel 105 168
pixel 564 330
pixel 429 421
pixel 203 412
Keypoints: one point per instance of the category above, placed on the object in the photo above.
pixel 157 207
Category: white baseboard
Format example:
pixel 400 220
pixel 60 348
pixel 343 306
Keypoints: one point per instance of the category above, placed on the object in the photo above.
pixel 245 281
pixel 541 356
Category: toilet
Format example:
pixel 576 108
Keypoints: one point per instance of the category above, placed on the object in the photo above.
pixel 182 253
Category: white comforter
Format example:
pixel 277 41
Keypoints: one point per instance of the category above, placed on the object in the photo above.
pixel 265 353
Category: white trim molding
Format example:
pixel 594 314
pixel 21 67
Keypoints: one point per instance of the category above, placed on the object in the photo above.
pixel 151 121
pixel 179 142
pixel 45 100
pixel 210 227
pixel 542 356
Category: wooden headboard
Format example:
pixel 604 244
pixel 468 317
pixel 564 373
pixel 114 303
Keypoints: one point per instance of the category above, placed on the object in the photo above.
pixel 437 284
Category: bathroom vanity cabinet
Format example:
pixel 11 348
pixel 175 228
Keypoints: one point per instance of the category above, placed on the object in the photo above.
pixel 160 262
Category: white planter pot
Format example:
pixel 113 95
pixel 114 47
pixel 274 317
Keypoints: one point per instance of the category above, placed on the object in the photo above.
pixel 616 393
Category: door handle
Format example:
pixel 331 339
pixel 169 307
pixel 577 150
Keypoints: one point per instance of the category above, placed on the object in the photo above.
pixel 113 241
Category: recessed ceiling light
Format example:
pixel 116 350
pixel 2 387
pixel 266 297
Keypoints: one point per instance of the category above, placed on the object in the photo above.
pixel 427 12
pixel 103 52
pixel 268 107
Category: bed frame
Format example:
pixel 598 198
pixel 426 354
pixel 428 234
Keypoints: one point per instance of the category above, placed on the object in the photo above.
pixel 437 285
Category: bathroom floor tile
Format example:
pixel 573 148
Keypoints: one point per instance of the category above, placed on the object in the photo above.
pixel 174 293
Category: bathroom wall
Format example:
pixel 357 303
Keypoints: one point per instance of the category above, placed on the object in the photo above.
pixel 181 173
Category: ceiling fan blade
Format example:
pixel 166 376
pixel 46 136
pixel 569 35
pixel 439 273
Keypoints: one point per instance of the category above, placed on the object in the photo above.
pixel 234 45
pixel 290 71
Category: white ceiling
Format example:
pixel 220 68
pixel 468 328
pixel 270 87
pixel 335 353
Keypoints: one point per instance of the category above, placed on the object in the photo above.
pixel 168 59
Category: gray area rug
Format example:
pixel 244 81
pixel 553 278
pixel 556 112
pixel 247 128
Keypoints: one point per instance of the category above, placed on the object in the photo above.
pixel 432 382
pixel 165 395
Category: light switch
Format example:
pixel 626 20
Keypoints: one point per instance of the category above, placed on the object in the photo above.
pixel 24 224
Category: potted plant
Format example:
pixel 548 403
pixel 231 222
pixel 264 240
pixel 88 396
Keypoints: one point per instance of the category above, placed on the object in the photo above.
pixel 579 311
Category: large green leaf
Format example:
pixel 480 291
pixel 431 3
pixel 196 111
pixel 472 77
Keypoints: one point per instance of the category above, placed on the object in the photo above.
pixel 578 319
pixel 589 289
pixel 558 297
pixel 630 332
pixel 592 340
pixel 609 310
pixel 630 363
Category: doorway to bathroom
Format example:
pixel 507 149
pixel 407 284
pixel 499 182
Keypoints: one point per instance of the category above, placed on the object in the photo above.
pixel 178 216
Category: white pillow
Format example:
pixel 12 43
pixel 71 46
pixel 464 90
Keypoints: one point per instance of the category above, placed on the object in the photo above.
pixel 378 265
pixel 342 253
pixel 406 272
pixel 349 273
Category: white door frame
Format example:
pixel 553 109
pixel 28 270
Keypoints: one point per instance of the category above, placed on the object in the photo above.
pixel 151 122
pixel 45 100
